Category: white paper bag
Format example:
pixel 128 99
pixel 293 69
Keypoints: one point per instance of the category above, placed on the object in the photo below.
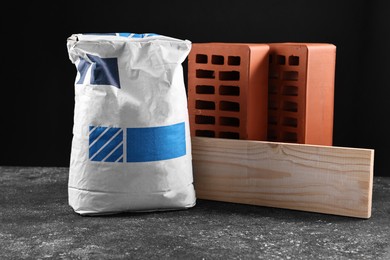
pixel 131 147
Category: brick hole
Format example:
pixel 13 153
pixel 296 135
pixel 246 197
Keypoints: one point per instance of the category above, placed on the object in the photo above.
pixel 272 135
pixel 273 74
pixel 204 120
pixel 205 89
pixel 290 121
pixel 229 135
pixel 272 120
pixel 293 60
pixel 229 106
pixel 281 59
pixel 290 137
pixel 208 74
pixel 272 89
pixel 290 106
pixel 205 133
pixel 207 105
pixel 290 75
pixel 270 58
pixel 201 58
pixel 234 60
pixel 290 91
pixel 229 75
pixel 229 121
pixel 229 90
pixel 273 104
pixel 217 59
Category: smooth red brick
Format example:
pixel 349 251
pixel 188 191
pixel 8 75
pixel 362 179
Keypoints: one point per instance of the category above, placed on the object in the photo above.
pixel 301 92
pixel 228 90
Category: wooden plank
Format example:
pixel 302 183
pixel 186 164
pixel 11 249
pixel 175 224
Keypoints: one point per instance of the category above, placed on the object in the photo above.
pixel 322 179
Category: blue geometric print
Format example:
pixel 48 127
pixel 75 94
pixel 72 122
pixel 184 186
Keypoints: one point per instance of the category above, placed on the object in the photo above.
pixel 125 34
pixel 104 71
pixel 145 144
pixel 148 144
pixel 83 68
pixel 105 144
pixel 137 35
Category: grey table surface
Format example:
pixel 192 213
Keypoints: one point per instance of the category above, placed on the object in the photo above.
pixel 36 222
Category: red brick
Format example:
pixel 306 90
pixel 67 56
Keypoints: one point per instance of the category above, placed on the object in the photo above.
pixel 301 92
pixel 228 90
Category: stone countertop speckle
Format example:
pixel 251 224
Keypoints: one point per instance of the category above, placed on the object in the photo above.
pixel 36 222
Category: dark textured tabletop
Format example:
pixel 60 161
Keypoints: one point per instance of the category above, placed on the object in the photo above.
pixel 36 222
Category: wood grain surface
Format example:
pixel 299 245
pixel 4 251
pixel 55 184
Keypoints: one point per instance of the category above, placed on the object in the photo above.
pixel 323 179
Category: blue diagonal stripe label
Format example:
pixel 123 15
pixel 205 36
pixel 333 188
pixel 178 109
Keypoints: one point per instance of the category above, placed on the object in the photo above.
pixel 105 144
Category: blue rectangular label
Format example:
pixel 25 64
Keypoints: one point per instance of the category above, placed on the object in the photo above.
pixel 155 143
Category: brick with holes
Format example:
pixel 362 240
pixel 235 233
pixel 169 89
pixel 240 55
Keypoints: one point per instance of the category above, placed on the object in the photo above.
pixel 227 90
pixel 301 92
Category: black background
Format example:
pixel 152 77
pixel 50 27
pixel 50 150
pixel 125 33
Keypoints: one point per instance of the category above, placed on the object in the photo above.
pixel 37 95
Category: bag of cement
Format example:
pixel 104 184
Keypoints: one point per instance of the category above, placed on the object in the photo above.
pixel 131 148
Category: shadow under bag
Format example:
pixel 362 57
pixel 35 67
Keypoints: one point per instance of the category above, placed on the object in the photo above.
pixel 131 147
